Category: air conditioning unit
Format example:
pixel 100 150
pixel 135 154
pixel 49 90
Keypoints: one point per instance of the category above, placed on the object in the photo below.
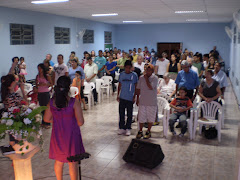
pixel 229 32
pixel 236 18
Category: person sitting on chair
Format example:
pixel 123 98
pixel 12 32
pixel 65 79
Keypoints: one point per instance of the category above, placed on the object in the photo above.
pixel 181 105
pixel 167 86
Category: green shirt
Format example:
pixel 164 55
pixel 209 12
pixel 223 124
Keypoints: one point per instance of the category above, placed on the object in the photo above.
pixel 199 66
pixel 121 62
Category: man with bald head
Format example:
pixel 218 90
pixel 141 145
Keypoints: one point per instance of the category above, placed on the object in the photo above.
pixel 139 64
pixel 189 79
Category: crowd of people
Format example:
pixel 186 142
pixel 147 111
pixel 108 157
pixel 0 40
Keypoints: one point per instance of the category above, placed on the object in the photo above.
pixel 143 75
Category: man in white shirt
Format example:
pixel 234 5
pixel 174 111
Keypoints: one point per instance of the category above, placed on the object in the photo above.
pixel 91 71
pixel 220 77
pixel 139 64
pixel 191 66
pixel 164 55
pixel 140 53
pixel 161 66
pixel 59 69
pixel 119 54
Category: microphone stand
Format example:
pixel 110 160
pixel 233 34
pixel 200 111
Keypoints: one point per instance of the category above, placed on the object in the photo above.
pixel 78 158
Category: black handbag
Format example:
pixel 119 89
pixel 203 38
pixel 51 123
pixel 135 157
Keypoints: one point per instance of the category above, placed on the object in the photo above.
pixel 211 133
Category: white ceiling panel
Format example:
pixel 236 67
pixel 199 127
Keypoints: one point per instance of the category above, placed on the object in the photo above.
pixel 149 11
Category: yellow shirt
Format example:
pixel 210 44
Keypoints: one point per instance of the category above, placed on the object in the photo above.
pixel 135 58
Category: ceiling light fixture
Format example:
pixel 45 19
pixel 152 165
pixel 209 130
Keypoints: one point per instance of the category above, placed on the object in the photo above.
pixel 48 1
pixel 109 14
pixel 132 21
pixel 196 20
pixel 188 12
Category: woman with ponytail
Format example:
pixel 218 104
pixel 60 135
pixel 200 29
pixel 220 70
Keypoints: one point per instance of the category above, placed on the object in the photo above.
pixel 43 82
pixel 65 114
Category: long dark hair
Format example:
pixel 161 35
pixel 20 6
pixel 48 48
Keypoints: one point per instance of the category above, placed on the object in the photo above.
pixel 44 70
pixel 61 91
pixel 6 83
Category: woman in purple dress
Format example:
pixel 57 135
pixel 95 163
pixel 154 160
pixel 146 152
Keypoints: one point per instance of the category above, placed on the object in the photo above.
pixel 66 115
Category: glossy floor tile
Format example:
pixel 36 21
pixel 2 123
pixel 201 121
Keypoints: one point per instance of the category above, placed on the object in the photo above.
pixel 200 159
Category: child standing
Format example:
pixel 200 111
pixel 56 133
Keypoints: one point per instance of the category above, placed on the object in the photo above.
pixel 33 95
pixel 77 82
pixel 126 97
pixel 22 68
pixel 181 104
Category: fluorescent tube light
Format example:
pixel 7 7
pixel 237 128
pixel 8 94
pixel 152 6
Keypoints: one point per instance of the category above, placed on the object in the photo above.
pixel 48 1
pixel 188 12
pixel 109 14
pixel 196 20
pixel 132 21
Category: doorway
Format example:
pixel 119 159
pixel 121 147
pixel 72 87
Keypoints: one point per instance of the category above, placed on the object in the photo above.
pixel 169 48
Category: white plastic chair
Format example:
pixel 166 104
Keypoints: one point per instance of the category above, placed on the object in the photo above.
pixel 117 74
pixel 27 88
pixel 99 83
pixel 209 111
pixel 163 113
pixel 223 108
pixel 135 110
pixel 196 101
pixel 107 83
pixel 165 97
pixel 73 92
pixel 88 88
pixel 1 105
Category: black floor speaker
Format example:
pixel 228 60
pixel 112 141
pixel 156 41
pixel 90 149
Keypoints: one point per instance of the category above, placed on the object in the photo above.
pixel 144 154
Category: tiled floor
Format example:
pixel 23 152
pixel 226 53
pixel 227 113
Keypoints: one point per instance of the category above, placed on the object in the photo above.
pixel 184 159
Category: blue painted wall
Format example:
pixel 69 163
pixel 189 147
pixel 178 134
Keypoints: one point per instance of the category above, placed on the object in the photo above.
pixel 44 38
pixel 195 37
pixel 199 37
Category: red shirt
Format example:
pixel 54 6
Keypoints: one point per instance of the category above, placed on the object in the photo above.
pixel 183 103
pixel 34 97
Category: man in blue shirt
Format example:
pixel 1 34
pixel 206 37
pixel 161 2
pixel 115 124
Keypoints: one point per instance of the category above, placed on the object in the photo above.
pixel 189 79
pixel 220 77
pixel 110 68
pixel 126 89
pixel 75 67
pixel 100 61
pixel 49 58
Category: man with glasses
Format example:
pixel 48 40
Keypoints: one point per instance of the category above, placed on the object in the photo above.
pixel 189 79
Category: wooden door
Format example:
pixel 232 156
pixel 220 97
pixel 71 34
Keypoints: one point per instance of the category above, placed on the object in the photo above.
pixel 169 48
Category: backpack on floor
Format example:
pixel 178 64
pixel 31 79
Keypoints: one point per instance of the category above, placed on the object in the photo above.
pixel 211 133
